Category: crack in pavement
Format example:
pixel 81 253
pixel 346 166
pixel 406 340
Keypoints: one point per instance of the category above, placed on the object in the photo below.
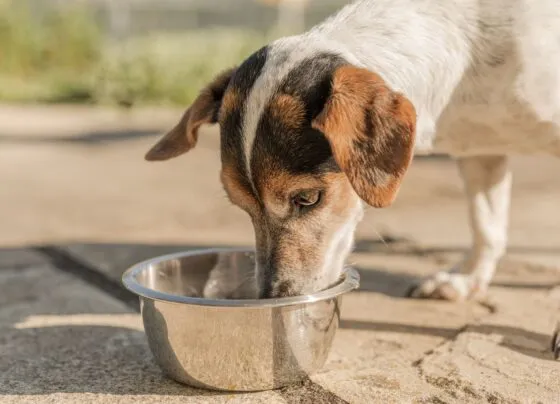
pixel 439 382
pixel 447 384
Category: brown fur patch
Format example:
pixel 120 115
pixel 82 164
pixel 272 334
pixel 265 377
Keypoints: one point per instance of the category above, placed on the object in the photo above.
pixel 289 110
pixel 371 130
pixel 230 102
pixel 238 191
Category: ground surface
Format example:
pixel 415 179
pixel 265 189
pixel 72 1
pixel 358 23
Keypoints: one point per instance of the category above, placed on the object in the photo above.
pixel 79 205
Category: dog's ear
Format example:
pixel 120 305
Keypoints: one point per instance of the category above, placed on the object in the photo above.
pixel 204 110
pixel 371 131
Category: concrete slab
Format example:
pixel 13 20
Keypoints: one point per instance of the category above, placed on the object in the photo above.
pixel 505 357
pixel 64 342
pixel 517 273
pixel 75 121
pixel 380 337
pixel 385 339
pixel 15 258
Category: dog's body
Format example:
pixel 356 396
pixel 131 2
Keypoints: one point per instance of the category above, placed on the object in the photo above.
pixel 483 75
pixel 313 123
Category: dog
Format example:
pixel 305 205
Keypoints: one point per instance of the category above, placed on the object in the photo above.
pixel 314 125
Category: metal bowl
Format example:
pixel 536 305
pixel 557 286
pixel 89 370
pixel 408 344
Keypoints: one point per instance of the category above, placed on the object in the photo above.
pixel 231 344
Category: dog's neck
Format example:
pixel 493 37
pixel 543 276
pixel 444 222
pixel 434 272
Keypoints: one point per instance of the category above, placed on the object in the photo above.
pixel 424 56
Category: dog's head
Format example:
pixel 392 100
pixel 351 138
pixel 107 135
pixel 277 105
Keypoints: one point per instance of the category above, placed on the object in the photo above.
pixel 303 139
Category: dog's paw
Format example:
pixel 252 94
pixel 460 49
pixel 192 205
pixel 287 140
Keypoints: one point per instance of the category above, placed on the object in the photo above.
pixel 447 286
pixel 555 345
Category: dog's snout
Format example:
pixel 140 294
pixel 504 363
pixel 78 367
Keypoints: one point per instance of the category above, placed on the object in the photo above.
pixel 266 291
pixel 272 282
pixel 278 288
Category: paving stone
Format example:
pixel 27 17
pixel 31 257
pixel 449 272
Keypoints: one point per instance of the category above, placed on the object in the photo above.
pixel 379 339
pixel 14 258
pixel 62 341
pixel 380 352
pixel 505 357
pixel 516 273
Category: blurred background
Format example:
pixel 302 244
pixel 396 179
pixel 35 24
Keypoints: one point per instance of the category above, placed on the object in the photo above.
pixel 87 86
pixel 131 52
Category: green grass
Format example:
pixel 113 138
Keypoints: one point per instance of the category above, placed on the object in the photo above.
pixel 47 54
pixel 63 57
pixel 169 68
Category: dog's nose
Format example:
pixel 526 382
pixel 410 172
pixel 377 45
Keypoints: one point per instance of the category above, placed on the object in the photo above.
pixel 266 292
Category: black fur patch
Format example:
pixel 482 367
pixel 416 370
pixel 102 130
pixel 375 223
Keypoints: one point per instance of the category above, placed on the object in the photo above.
pixel 231 132
pixel 303 150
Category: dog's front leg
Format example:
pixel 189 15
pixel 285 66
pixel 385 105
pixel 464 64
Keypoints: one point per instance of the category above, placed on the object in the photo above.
pixel 487 185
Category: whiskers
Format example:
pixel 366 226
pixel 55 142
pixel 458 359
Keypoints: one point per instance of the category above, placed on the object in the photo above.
pixel 382 238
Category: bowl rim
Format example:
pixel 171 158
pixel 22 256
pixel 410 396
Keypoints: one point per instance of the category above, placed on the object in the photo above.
pixel 350 281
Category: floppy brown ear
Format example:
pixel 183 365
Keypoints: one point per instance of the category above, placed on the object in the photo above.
pixel 371 131
pixel 204 110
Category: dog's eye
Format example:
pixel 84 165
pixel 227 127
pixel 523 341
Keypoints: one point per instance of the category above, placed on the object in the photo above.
pixel 307 198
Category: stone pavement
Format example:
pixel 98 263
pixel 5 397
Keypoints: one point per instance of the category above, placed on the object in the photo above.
pixel 79 208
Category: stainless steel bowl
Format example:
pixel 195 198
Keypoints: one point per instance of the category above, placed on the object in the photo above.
pixel 231 344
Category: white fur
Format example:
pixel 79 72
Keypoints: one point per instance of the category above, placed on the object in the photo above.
pixel 487 185
pixel 437 54
pixel 340 246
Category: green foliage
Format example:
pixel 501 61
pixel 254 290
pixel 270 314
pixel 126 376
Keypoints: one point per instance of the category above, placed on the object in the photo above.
pixel 34 43
pixel 169 68
pixel 60 55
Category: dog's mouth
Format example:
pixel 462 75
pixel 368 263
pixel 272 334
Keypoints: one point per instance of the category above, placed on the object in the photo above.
pixel 245 283
pixel 291 288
